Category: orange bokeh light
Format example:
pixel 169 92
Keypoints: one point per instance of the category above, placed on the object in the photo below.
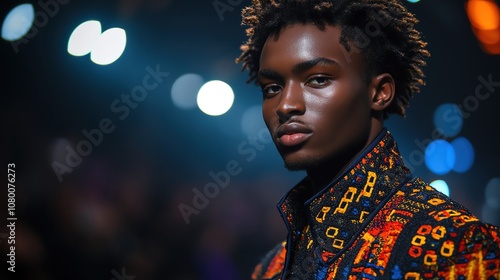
pixel 491 49
pixel 483 14
pixel 488 36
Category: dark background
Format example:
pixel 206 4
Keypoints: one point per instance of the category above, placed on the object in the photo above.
pixel 118 213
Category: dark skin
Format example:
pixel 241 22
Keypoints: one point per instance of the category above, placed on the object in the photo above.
pixel 318 107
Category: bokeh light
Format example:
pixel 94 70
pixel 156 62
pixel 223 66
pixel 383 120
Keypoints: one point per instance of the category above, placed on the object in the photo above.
pixel 492 48
pixel 490 215
pixel 84 37
pixel 185 89
pixel 215 98
pixel 448 119
pixel 18 22
pixel 489 37
pixel 109 47
pixel 492 193
pixel 441 186
pixel 483 14
pixel 252 121
pixel 440 157
pixel 464 154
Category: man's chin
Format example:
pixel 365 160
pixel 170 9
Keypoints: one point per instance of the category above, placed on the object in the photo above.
pixel 303 164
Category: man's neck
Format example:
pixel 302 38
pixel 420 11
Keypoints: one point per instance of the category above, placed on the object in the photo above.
pixel 328 171
pixel 324 174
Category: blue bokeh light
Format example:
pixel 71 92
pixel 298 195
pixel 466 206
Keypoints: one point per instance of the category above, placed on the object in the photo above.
pixel 440 157
pixel 18 22
pixel 448 119
pixel 252 122
pixel 492 193
pixel 464 152
pixel 441 186
pixel 185 89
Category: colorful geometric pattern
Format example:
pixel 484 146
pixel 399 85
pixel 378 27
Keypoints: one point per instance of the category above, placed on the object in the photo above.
pixel 377 222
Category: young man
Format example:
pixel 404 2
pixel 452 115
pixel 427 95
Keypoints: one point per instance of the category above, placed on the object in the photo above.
pixel 330 73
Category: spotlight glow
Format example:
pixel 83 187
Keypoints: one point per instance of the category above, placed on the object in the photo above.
pixel 215 98
pixel 440 157
pixel 84 37
pixel 18 22
pixel 109 47
pixel 441 186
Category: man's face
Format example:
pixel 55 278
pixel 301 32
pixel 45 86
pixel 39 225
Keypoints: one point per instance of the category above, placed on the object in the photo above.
pixel 316 104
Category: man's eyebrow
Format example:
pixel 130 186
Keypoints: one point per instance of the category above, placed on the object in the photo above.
pixel 298 68
pixel 306 65
pixel 271 75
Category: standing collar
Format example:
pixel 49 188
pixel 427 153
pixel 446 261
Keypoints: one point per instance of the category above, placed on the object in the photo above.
pixel 340 210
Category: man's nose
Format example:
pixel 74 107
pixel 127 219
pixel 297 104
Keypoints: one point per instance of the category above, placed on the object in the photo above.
pixel 291 103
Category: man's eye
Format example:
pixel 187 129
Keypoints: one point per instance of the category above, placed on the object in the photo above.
pixel 270 90
pixel 319 81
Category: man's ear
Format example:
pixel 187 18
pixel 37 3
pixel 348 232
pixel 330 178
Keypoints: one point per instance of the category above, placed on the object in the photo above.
pixel 382 91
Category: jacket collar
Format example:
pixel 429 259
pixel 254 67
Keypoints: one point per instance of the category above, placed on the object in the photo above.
pixel 340 211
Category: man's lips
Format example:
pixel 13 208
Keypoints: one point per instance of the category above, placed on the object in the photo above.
pixel 292 134
pixel 293 139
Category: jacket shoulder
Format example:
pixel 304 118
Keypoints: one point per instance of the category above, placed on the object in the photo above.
pixel 272 264
pixel 443 238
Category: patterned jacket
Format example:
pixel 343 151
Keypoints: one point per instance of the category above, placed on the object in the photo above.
pixel 378 222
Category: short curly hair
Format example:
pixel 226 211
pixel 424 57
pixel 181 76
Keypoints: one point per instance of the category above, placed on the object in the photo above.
pixel 390 44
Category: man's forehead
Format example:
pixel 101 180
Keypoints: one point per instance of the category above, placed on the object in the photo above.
pixel 306 42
